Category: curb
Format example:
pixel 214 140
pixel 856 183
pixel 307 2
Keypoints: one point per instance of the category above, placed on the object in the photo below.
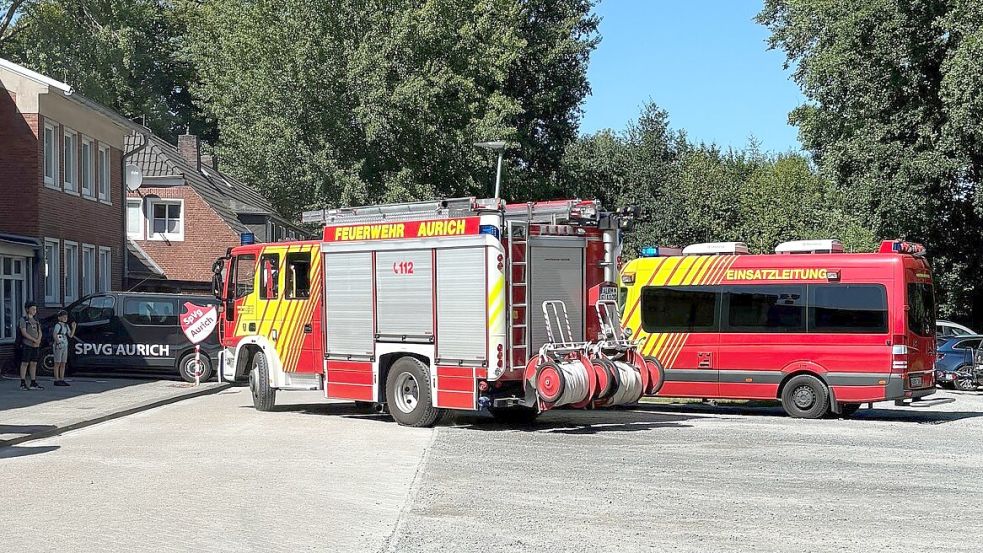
pixel 145 406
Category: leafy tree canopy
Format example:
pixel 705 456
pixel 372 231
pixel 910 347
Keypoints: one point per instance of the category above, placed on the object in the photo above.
pixel 894 112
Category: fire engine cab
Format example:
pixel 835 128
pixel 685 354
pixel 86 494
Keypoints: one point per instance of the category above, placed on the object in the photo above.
pixel 420 307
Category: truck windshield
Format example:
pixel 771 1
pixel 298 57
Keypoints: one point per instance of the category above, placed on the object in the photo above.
pixel 921 308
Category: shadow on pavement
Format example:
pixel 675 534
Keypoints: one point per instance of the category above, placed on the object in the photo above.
pixel 574 422
pixel 24 428
pixel 12 397
pixel 23 451
pixel 918 415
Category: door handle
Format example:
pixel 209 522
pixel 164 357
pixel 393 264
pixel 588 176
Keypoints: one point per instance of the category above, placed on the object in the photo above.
pixel 704 359
pixel 308 328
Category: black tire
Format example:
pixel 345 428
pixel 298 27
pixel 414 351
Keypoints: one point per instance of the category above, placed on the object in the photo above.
pixel 805 397
pixel 46 364
pixel 186 367
pixel 514 416
pixel 964 385
pixel 264 396
pixel 408 393
pixel 847 410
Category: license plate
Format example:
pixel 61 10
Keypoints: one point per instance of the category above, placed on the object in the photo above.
pixel 916 382
pixel 608 293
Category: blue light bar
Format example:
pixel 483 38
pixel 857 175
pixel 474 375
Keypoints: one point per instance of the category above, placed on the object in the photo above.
pixel 650 251
pixel 489 229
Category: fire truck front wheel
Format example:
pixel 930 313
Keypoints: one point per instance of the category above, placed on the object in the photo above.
pixel 264 396
pixel 408 393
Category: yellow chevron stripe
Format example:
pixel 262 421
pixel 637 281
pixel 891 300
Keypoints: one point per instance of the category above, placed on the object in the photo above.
pixel 697 267
pixel 665 270
pixel 684 266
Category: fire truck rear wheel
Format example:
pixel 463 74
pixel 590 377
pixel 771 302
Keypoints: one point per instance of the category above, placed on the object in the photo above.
pixel 805 397
pixel 264 395
pixel 408 393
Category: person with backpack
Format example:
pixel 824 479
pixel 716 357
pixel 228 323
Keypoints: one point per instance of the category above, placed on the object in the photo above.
pixel 60 334
pixel 29 330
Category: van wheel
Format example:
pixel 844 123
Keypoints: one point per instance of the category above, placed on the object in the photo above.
pixel 46 366
pixel 187 367
pixel 264 396
pixel 408 393
pixel 805 397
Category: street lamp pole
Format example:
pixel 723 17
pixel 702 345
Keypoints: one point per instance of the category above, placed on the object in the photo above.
pixel 499 146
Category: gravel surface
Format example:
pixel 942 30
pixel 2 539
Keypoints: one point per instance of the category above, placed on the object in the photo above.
pixel 212 474
pixel 693 478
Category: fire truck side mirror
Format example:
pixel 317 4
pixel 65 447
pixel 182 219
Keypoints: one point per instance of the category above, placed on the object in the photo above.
pixel 217 286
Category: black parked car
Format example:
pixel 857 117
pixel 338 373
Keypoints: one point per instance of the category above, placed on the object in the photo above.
pixel 133 331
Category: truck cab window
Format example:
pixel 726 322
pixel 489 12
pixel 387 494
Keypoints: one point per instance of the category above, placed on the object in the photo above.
pixel 245 275
pixel 298 278
pixel 269 276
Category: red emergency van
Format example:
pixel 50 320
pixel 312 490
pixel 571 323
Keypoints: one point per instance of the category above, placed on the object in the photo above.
pixel 816 328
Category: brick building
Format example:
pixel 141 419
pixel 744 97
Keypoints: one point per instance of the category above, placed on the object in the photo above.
pixel 62 216
pixel 186 214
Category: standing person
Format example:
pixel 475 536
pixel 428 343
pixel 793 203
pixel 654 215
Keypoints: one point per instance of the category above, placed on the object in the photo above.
pixel 30 331
pixel 60 334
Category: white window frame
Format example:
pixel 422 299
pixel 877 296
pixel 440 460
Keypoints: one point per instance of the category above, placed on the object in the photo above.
pixel 104 175
pixel 87 173
pixel 17 304
pixel 71 281
pixel 70 174
pixel 50 179
pixel 105 269
pixel 143 218
pixel 88 270
pixel 52 270
pixel 171 236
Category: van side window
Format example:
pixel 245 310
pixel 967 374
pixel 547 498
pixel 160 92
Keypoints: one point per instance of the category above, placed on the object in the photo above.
pixel 298 278
pixel 150 311
pixel 853 308
pixel 772 308
pixel 245 274
pixel 269 276
pixel 679 309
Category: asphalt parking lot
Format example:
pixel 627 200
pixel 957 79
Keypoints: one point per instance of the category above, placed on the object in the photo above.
pixel 212 473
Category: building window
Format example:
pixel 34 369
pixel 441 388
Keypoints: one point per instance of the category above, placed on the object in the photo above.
pixel 71 161
pixel 134 218
pixel 88 269
pixel 14 291
pixel 166 220
pixel 105 269
pixel 50 155
pixel 88 168
pixel 71 271
pixel 102 175
pixel 52 275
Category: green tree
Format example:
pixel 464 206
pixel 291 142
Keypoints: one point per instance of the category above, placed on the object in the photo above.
pixel 893 112
pixel 121 53
pixel 341 102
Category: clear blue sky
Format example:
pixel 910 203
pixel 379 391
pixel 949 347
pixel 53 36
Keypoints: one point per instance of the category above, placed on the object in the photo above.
pixel 704 61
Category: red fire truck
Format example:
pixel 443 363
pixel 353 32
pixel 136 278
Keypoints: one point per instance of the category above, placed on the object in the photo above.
pixel 819 329
pixel 454 304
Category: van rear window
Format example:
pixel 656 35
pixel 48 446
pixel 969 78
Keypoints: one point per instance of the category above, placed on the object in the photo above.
pixel 921 308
